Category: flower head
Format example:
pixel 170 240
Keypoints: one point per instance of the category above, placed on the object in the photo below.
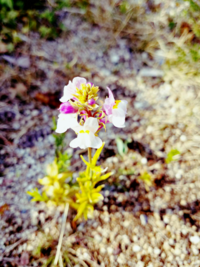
pixel 115 110
pixel 86 97
pixel 86 135
pixel 80 101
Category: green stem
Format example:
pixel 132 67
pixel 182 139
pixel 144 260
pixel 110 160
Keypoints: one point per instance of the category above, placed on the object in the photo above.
pixel 90 160
pixel 90 154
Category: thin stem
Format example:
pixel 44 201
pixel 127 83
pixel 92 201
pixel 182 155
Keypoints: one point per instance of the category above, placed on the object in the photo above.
pixel 90 154
pixel 90 161
pixel 60 260
pixel 61 233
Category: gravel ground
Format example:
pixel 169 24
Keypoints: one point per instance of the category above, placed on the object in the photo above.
pixel 135 225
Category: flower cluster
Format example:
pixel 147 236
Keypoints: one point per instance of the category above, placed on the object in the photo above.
pixel 80 112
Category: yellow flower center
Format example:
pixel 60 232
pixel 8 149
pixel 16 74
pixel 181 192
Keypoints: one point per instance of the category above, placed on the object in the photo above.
pixel 85 131
pixel 116 104
pixel 86 92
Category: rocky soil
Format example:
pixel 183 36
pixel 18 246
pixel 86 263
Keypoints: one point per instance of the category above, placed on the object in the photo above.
pixel 137 224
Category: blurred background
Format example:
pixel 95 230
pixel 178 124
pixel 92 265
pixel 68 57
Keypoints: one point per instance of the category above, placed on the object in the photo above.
pixel 148 53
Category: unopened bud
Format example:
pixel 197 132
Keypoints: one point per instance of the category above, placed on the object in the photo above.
pixel 67 108
pixel 91 102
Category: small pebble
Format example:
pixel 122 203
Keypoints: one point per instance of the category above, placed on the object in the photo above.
pixel 144 161
pixel 195 239
pixel 183 138
pixel 110 250
pixel 136 248
pixel 140 264
pixel 195 250
pixel 143 219
pixel 156 251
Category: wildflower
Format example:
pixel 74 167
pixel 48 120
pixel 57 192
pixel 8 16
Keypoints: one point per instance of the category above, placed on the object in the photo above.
pixel 66 121
pixel 115 110
pixel 70 89
pixel 86 134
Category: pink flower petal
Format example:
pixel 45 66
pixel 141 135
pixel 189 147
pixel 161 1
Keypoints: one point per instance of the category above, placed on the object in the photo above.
pixel 109 103
pixel 67 108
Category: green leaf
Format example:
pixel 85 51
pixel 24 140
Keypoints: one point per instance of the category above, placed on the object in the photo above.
pixel 97 154
pixel 63 160
pixel 96 197
pixel 172 25
pixel 126 172
pixel 147 179
pixel 194 6
pixel 54 123
pixel 10 47
pixel 101 178
pixel 44 31
pixel 98 188
pixel 83 179
pixel 86 163
pixel 8 3
pixel 124 7
pixel 48 15
pixel 88 211
pixel 171 156
pixel 37 196
pixel 81 209
pixel 121 147
pixel 63 3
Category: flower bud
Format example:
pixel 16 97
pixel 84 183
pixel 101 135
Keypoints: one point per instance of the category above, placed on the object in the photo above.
pixel 67 108
pixel 91 102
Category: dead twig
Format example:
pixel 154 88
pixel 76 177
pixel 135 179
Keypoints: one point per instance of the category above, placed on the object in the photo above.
pixel 61 233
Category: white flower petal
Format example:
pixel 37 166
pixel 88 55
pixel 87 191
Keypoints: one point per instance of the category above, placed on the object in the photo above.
pixel 77 127
pixel 69 91
pixel 85 140
pixel 78 81
pixel 91 124
pixel 123 105
pixel 97 142
pixel 80 141
pixel 65 121
pixel 74 143
pixel 118 112
pixel 110 118
pixel 91 140
pixel 118 121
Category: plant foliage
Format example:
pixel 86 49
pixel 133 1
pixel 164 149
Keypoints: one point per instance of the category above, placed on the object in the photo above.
pixel 82 194
pixel 172 155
